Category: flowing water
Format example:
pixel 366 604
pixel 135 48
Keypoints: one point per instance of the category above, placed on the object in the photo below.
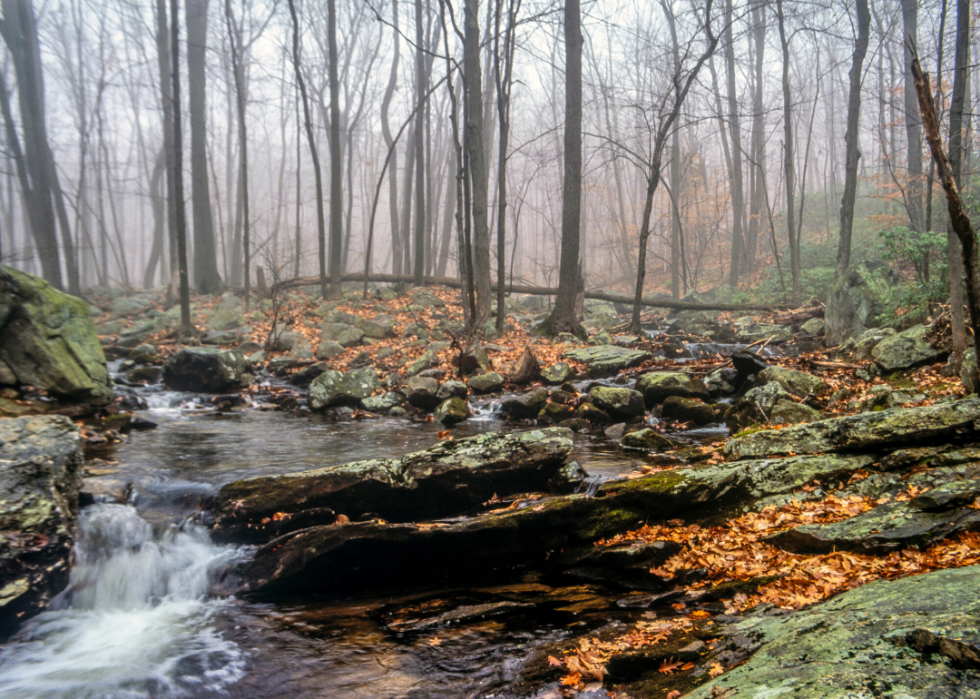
pixel 148 611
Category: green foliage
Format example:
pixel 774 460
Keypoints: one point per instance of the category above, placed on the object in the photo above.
pixel 905 246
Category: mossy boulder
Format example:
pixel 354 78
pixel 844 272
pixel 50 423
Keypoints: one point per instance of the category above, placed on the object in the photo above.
pixel 225 319
pixel 646 439
pixel 907 349
pixel 658 386
pixel 789 413
pixel 206 369
pixel 797 383
pixel 554 413
pixel 688 410
pixel 525 406
pixel 557 373
pixel 49 340
pixel 442 481
pixel 593 414
pixel 607 359
pixel 40 474
pixel 452 389
pixel 332 388
pixel 344 334
pixel 427 360
pixel 858 300
pixel 617 402
pixel 871 430
pixel 451 411
pixel 423 392
pixel 489 382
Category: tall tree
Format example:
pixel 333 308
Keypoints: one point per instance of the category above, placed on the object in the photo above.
pixel 913 122
pixel 177 193
pixel 396 241
pixel 758 143
pixel 207 280
pixel 238 70
pixel 852 151
pixel 738 252
pixel 789 156
pixel 566 315
pixel 503 65
pixel 336 166
pixel 419 144
pixel 957 115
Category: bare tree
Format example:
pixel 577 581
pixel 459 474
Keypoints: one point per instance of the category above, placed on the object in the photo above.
pixel 177 193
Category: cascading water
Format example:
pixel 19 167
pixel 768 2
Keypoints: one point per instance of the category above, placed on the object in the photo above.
pixel 135 620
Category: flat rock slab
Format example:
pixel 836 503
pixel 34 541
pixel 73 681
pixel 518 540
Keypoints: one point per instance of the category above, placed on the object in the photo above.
pixel 892 526
pixel 915 637
pixel 40 474
pixel 607 359
pixel 445 480
pixel 871 430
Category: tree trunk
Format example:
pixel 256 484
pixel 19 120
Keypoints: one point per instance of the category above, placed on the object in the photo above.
pixel 207 280
pixel 852 151
pixel 396 241
pixel 956 129
pixel 238 70
pixel 913 123
pixel 186 329
pixel 336 164
pixel 738 252
pixel 789 169
pixel 418 266
pixel 758 144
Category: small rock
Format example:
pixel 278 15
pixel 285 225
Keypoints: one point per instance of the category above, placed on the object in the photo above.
pixel 452 411
pixel 618 402
pixel 646 439
pixel 557 373
pixel 490 382
pixel 422 392
pixel 688 410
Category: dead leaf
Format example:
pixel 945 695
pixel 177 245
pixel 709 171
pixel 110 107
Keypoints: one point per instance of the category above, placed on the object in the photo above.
pixel 669 666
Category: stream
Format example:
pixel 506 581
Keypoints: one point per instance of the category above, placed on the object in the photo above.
pixel 148 611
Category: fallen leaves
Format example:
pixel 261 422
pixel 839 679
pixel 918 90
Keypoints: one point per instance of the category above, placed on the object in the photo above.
pixel 669 666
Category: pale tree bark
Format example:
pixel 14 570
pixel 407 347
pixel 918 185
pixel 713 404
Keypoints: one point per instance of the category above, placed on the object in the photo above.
pixel 418 267
pixel 913 123
pixel 238 70
pixel 396 241
pixel 852 151
pixel 758 143
pixel 957 115
pixel 477 163
pixel 503 71
pixel 958 216
pixel 336 164
pixel 738 252
pixel 789 159
pixel 566 316
pixel 186 329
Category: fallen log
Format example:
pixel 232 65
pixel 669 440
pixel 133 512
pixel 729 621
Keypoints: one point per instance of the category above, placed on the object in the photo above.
pixel 541 291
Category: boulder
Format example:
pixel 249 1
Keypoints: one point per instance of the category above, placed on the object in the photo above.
pixel 747 364
pixel 525 406
pixel 617 402
pixel 907 349
pixel 796 383
pixel 490 382
pixel 329 349
pixel 423 392
pixel 225 319
pixel 49 340
pixel 814 326
pixel 858 298
pixel 646 440
pixel 658 386
pixel 332 388
pixel 607 359
pixel 426 299
pixel 427 360
pixel 473 359
pixel 592 414
pixel 558 373
pixel 790 413
pixel 342 333
pixel 206 369
pixel 553 413
pixel 40 474
pixel 914 637
pixel 860 348
pixel 452 389
pixel 451 411
pixel 383 403
pixel 442 481
pixel 871 430
pixel 688 410
pixel 523 370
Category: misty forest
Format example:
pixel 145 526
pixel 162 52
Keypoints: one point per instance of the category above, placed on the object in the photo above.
pixel 489 348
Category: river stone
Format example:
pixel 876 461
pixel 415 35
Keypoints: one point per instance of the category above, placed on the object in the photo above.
pixel 860 348
pixel 814 326
pixel 857 300
pixel 342 333
pixel 40 474
pixel 617 402
pixel 49 340
pixel 646 440
pixel 592 414
pixel 688 410
pixel 428 360
pixel 794 382
pixel 444 480
pixel 452 389
pixel 451 411
pixel 384 402
pixel 525 406
pixel 658 386
pixel 473 359
pixel 206 369
pixel 554 413
pixel 914 637
pixel 332 388
pixel 329 349
pixel 558 373
pixel 894 427
pixel 787 412
pixel 607 359
pixel 490 382
pixel 907 349
pixel 422 392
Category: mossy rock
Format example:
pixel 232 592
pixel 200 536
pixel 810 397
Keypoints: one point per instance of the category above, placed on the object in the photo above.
pixel 658 386
pixel 451 411
pixel 646 440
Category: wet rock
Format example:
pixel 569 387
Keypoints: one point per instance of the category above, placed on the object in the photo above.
pixel 427 360
pixel 860 348
pixel 658 386
pixel 457 615
pixel 442 481
pixel 862 294
pixel 607 359
pixel 423 392
pixel 794 382
pixel 40 475
pixel 524 370
pixel 617 402
pixel 593 414
pixel 747 364
pixel 490 382
pixel 383 403
pixel 332 388
pixel 344 334
pixel 688 410
pixel 914 637
pixel 895 427
pixel 452 389
pixel 557 373
pixel 473 359
pixel 568 479
pixel 451 411
pixel 790 413
pixel 721 382
pixel 646 440
pixel 553 413
pixel 759 332
pixel 907 349
pixel 206 369
pixel 892 526
pixel 304 377
pixel 626 564
pixel 145 374
pixel 525 406
pixel 49 340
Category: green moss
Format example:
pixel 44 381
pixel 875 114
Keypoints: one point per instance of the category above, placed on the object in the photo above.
pixel 749 430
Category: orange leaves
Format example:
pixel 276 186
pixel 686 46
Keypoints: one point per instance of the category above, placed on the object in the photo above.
pixel 554 662
pixel 669 666
pixel 572 679
pixel 715 670
pixel 445 435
